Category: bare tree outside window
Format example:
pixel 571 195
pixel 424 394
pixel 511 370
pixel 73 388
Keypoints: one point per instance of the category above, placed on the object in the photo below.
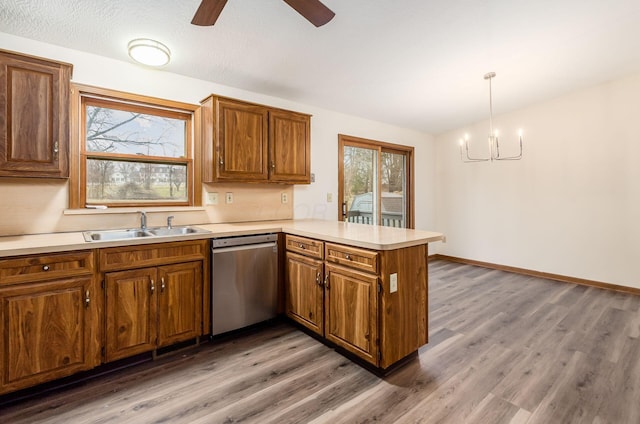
pixel 135 154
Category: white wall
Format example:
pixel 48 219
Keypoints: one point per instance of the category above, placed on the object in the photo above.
pixel 43 210
pixel 571 206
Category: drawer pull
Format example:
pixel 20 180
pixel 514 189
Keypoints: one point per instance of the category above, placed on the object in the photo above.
pixel 162 286
pixel 87 299
pixel 153 286
pixel 45 268
pixel 318 278
pixel 326 281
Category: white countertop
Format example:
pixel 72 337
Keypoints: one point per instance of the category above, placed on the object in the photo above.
pixel 359 235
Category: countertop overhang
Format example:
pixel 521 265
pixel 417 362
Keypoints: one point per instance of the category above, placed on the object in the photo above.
pixel 358 235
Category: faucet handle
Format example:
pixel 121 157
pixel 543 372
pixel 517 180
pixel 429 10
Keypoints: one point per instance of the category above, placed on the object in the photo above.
pixel 169 220
pixel 143 220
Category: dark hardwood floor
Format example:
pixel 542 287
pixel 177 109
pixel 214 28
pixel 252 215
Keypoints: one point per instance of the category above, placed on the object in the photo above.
pixel 504 348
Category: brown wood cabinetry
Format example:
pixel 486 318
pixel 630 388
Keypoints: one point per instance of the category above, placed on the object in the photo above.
pixel 305 291
pixel 363 312
pixel 152 306
pixel 336 302
pixel 49 318
pixel 34 116
pixel 246 142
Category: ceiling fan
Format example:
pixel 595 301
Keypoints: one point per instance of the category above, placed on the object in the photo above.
pixel 313 10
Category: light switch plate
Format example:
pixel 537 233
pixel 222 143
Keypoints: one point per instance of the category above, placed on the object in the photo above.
pixel 393 282
pixel 228 198
pixel 329 197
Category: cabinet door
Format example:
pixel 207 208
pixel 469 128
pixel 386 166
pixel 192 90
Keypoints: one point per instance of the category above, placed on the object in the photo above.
pixel 304 291
pixel 179 302
pixel 241 141
pixel 46 331
pixel 289 154
pixel 131 312
pixel 34 117
pixel 351 311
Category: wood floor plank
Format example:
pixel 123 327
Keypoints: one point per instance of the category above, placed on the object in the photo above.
pixel 504 348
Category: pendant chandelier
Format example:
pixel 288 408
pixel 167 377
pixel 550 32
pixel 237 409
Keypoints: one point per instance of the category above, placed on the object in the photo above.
pixel 493 141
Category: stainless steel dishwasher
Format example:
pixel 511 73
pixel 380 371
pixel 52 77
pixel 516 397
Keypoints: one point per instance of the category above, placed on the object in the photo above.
pixel 244 273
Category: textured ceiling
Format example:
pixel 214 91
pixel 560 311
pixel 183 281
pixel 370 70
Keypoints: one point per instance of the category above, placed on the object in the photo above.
pixel 414 63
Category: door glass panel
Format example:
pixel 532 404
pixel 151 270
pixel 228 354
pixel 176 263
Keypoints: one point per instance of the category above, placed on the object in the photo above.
pixel 393 191
pixel 360 185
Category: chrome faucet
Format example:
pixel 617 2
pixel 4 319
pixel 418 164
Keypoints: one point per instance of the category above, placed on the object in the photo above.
pixel 143 220
pixel 169 219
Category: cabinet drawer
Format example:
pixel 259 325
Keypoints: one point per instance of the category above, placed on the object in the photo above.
pixel 352 257
pixel 31 268
pixel 305 246
pixel 120 258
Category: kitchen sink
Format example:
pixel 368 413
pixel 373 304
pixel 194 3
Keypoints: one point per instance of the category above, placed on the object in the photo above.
pixel 134 233
pixel 104 235
pixel 176 231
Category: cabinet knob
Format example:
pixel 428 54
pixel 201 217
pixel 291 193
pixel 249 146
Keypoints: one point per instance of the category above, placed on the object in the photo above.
pixel 301 246
pixel 347 257
pixel 45 268
pixel 273 165
pixel 221 161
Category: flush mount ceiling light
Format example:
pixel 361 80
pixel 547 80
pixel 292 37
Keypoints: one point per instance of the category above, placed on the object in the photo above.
pixel 494 146
pixel 149 52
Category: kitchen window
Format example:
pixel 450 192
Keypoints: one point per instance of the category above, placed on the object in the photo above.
pixel 131 151
pixel 375 182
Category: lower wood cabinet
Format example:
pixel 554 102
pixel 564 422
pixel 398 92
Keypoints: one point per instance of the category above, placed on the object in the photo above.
pixel 304 289
pixel 346 295
pixel 153 306
pixel 351 311
pixel 49 316
pixel 62 313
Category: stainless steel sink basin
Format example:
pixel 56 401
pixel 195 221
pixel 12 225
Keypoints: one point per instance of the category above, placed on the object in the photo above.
pixel 176 231
pixel 104 235
pixel 133 233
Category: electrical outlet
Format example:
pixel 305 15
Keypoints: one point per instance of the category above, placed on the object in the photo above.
pixel 313 177
pixel 284 198
pixel 212 198
pixel 329 197
pixel 228 199
pixel 393 282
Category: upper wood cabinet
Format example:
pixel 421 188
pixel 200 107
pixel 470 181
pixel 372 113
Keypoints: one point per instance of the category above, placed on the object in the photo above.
pixel 34 116
pixel 246 142
pixel 289 148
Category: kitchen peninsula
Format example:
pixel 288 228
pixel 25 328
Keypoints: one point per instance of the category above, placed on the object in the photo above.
pixel 360 288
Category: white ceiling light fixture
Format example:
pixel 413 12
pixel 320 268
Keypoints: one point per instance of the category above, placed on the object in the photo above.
pixel 149 52
pixel 494 146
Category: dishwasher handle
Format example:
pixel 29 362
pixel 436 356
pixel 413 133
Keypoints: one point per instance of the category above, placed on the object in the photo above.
pixel 243 247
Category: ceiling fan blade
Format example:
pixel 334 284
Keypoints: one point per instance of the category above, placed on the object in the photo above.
pixel 208 12
pixel 313 10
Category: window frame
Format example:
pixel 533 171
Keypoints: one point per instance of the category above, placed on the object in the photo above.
pixel 380 147
pixel 81 95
